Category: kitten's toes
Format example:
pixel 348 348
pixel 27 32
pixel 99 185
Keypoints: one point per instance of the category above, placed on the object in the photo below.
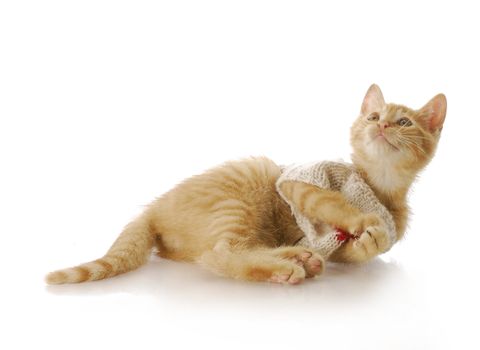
pixel 293 274
pixel 371 243
pixel 312 262
pixel 379 236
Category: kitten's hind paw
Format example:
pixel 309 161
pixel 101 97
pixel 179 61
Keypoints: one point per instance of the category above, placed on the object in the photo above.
pixel 312 262
pixel 292 275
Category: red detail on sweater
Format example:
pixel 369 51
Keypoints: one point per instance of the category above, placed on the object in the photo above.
pixel 343 235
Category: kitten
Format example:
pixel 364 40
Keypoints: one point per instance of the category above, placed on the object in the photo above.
pixel 232 221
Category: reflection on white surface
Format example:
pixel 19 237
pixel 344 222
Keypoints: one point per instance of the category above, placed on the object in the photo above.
pixel 349 304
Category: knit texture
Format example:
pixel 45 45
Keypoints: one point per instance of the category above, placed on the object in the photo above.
pixel 334 176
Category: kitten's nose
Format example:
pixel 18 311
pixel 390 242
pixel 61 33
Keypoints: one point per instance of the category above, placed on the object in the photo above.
pixel 383 125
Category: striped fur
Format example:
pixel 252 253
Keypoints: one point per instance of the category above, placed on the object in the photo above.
pixel 130 250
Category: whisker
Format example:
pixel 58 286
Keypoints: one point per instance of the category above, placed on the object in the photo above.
pixel 410 143
pixel 411 134
pixel 414 146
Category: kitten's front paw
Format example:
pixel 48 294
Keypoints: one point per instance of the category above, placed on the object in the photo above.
pixel 372 242
pixel 359 224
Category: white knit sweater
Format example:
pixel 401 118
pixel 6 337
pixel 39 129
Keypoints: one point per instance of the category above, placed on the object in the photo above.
pixel 335 176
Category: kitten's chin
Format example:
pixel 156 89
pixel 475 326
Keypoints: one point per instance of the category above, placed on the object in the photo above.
pixel 379 145
pixel 384 142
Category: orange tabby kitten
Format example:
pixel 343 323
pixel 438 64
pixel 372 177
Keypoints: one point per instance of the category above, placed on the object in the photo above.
pixel 232 221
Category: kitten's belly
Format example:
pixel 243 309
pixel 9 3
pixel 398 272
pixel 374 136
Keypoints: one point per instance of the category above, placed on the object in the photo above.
pixel 236 201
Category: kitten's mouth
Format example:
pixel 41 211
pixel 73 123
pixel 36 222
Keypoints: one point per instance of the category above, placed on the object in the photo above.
pixel 382 138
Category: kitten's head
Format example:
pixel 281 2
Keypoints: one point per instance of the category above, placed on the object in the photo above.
pixel 390 136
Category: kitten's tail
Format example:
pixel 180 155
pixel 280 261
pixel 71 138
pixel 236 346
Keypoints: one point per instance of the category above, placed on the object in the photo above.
pixel 131 250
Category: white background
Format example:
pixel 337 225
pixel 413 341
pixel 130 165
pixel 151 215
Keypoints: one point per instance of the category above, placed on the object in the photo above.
pixel 105 105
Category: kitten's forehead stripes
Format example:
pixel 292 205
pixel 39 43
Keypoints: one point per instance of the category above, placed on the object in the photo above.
pixel 393 112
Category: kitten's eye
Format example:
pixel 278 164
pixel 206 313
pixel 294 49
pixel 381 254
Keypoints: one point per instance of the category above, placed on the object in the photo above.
pixel 373 117
pixel 404 122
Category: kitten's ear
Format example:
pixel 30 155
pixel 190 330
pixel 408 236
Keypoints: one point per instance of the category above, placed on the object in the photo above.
pixel 434 112
pixel 373 100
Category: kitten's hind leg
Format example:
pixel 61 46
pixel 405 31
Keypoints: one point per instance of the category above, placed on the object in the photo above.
pixel 289 265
